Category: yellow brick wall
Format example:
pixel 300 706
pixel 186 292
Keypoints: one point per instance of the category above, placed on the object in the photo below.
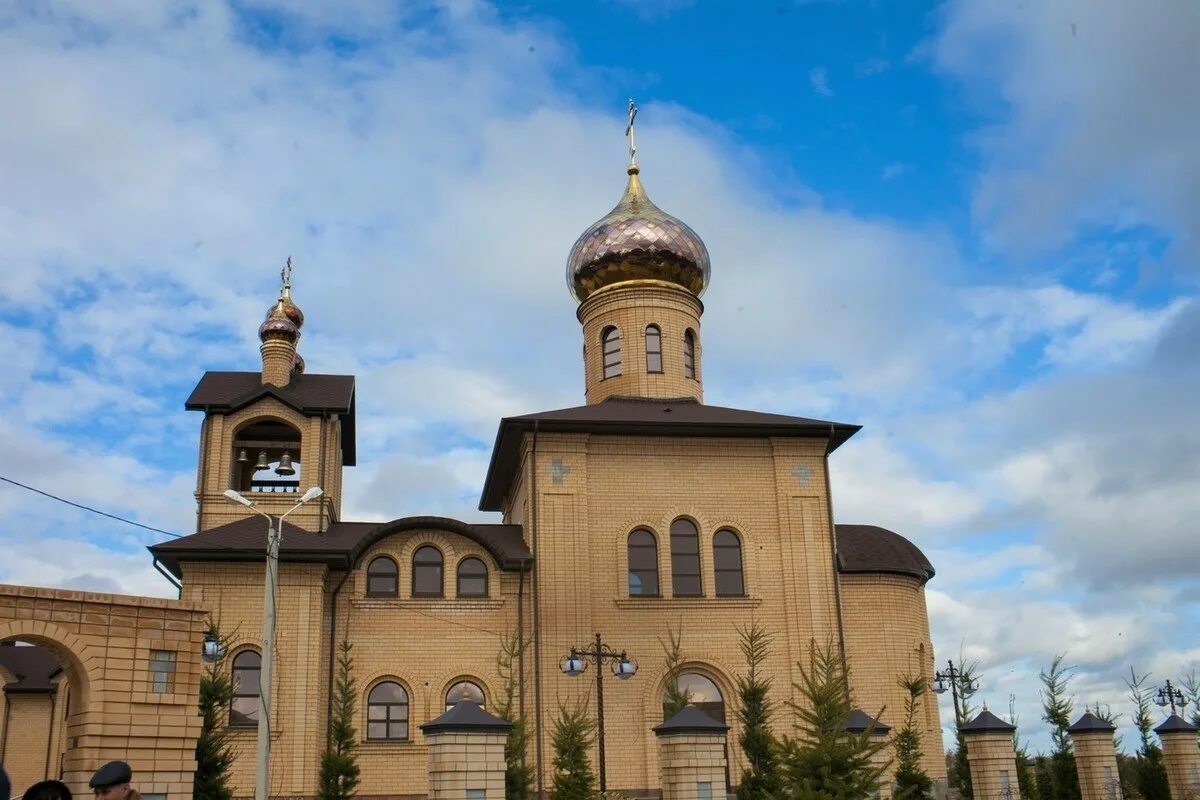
pixel 1096 764
pixel 28 748
pixel 1181 757
pixel 993 763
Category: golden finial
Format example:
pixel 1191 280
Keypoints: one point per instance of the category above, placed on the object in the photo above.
pixel 633 167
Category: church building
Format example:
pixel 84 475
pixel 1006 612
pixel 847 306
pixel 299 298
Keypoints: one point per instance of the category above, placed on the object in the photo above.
pixel 642 512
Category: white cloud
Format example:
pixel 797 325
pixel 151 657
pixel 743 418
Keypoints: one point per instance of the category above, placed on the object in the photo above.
pixel 819 78
pixel 894 170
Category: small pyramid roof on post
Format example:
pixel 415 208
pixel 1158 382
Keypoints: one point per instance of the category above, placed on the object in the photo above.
pixel 1090 723
pixel 467 717
pixel 690 720
pixel 1176 724
pixel 987 722
pixel 859 721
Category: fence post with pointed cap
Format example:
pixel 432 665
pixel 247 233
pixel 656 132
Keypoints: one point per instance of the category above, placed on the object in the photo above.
pixel 691 748
pixel 1180 756
pixel 1095 758
pixel 859 722
pixel 991 757
pixel 466 753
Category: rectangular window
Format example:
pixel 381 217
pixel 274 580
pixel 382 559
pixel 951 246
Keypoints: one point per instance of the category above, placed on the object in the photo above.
pixel 1003 779
pixel 612 353
pixel 476 794
pixel 162 667
pixel 653 349
pixel 704 790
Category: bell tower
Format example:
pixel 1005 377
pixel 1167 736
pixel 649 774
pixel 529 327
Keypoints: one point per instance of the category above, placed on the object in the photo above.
pixel 274 434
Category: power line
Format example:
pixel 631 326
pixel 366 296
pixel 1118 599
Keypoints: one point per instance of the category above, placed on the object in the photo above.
pixel 89 508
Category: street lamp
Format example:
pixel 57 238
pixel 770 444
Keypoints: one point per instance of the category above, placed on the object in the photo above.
pixel 274 533
pixel 623 667
pixel 954 680
pixel 1168 695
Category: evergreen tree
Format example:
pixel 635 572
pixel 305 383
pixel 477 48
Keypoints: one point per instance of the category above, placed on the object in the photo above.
pixel 573 776
pixel 1191 688
pixel 761 776
pixel 518 774
pixel 675 698
pixel 214 748
pixel 912 782
pixel 339 767
pixel 1043 778
pixel 1026 782
pixel 1150 774
pixel 1056 711
pixel 825 761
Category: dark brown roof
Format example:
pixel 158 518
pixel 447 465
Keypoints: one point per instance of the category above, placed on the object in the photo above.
pixel 466 717
pixel 987 722
pixel 1089 722
pixel 859 721
pixel 34 668
pixel 1176 724
pixel 342 545
pixel 635 416
pixel 226 392
pixel 690 719
pixel 869 548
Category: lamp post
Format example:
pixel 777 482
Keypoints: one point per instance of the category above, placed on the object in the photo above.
pixel 956 680
pixel 1168 695
pixel 274 533
pixel 623 667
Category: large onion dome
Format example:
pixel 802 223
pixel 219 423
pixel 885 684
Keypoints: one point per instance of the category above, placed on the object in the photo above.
pixel 278 326
pixel 636 241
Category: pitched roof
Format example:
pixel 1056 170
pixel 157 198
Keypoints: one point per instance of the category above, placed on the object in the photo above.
pixel 1176 724
pixel 310 394
pixel 636 416
pixel 342 545
pixel 467 716
pixel 987 722
pixel 1090 723
pixel 859 721
pixel 34 668
pixel 871 549
pixel 690 720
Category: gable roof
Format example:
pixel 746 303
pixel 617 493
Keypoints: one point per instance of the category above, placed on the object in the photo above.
pixel 34 668
pixel 638 416
pixel 872 549
pixel 312 395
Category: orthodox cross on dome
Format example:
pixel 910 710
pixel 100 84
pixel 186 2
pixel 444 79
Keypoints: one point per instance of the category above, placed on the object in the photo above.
pixel 629 133
pixel 802 474
pixel 285 278
pixel 558 470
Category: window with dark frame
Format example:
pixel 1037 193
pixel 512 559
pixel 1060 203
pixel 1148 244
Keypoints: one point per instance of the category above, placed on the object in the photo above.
pixel 162 667
pixel 247 673
pixel 464 690
pixel 611 339
pixel 643 564
pixel 689 355
pixel 653 349
pixel 727 564
pixel 387 712
pixel 383 577
pixel 427 572
pixel 685 559
pixel 472 578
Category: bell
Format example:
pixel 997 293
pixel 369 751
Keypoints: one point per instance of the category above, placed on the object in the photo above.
pixel 242 457
pixel 262 461
pixel 285 465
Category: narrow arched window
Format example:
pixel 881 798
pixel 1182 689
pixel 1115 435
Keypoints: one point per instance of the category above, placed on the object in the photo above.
pixel 643 564
pixel 472 578
pixel 383 578
pixel 464 690
pixel 727 564
pixel 387 712
pixel 427 572
pixel 653 349
pixel 689 355
pixel 685 559
pixel 611 339
pixel 247 672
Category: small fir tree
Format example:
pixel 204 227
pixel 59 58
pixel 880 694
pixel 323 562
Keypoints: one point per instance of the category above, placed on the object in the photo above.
pixel 675 697
pixel 339 766
pixel 1057 706
pixel 1191 688
pixel 825 761
pixel 912 782
pixel 1026 782
pixel 1150 774
pixel 761 776
pixel 518 774
pixel 214 748
pixel 573 776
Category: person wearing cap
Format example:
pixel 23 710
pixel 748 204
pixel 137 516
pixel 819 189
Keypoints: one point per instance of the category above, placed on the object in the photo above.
pixel 111 782
pixel 47 790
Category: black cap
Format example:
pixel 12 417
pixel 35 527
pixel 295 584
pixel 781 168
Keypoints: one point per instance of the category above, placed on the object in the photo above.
pixel 111 774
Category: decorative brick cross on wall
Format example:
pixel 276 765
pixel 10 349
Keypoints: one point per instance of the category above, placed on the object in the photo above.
pixel 558 470
pixel 803 474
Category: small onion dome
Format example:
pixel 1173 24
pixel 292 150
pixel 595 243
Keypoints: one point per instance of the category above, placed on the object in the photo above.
pixel 298 364
pixel 284 307
pixel 278 326
pixel 637 240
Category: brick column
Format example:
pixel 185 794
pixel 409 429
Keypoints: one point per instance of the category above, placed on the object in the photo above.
pixel 466 754
pixel 1181 756
pixel 858 723
pixel 1095 758
pixel 991 757
pixel 691 748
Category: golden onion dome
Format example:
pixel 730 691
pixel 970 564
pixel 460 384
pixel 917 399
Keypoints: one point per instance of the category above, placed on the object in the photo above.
pixel 636 241
pixel 278 325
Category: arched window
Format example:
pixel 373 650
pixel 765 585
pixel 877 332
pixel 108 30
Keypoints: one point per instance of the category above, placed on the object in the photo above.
pixel 727 564
pixel 383 577
pixel 427 572
pixel 653 349
pixel 472 578
pixel 464 690
pixel 611 339
pixel 387 712
pixel 247 670
pixel 689 355
pixel 685 559
pixel 702 693
pixel 643 564
pixel 266 458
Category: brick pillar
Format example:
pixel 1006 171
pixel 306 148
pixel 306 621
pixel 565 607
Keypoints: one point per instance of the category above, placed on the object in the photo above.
pixel 1095 758
pixel 1181 756
pixel 691 752
pixel 858 723
pixel 991 757
pixel 466 754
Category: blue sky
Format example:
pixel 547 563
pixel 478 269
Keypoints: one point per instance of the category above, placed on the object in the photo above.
pixel 970 227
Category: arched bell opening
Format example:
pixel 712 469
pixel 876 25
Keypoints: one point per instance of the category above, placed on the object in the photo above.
pixel 266 458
